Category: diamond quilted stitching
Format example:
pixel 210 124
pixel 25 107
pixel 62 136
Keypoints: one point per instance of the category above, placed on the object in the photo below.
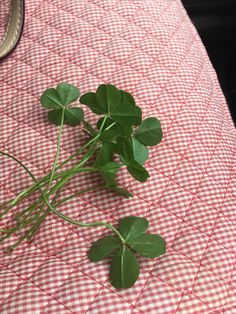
pixel 190 242
pixel 109 20
pixel 111 302
pixel 201 215
pixel 192 305
pixel 119 50
pixel 89 215
pixel 104 68
pixel 84 56
pixel 164 159
pixel 52 66
pixel 133 34
pixel 153 189
pixel 176 199
pixel 97 39
pixel 219 260
pixel 74 7
pixel 54 307
pixel 77 292
pixel 9 124
pixel 132 295
pixel 25 299
pixel 230 306
pixel 188 176
pixel 45 12
pixel 166 224
pixel 17 112
pixel 228 207
pixel 9 282
pixel 38 83
pixel 211 192
pixel 225 233
pixel 168 71
pixel 21 140
pixel 66 46
pixel 53 234
pixel 19 75
pixel 147 91
pixel 176 270
pixel 26 264
pixel 33 27
pixel 51 275
pixel 73 250
pixel 209 289
pixel 198 154
pixel 134 206
pixel 157 290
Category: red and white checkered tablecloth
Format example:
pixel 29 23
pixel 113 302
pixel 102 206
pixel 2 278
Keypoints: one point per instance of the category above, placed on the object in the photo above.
pixel 151 49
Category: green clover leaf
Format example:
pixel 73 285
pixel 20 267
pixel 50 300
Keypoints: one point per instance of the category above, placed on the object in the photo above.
pixel 103 248
pixel 131 227
pixel 149 132
pixel 122 192
pixel 58 99
pixel 114 130
pixel 148 245
pixel 118 105
pixel 124 269
pixel 141 152
pixel 125 149
pixel 137 171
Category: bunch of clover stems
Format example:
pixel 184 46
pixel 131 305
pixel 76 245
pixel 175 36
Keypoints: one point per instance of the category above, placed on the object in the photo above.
pixel 32 213
pixel 119 132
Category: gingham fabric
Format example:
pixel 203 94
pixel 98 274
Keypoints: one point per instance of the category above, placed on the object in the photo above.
pixel 150 49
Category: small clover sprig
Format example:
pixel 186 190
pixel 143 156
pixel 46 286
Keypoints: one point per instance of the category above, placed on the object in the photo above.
pixel 124 268
pixel 119 132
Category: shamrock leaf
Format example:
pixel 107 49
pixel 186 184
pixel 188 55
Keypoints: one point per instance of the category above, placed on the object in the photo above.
pixel 103 101
pixel 137 171
pixel 108 97
pixel 60 97
pixel 67 93
pixel 131 227
pixel 116 104
pixel 126 97
pixel 103 248
pixel 130 238
pixel 122 192
pixel 140 151
pixel 124 148
pixel 124 269
pixel 127 114
pixel 104 155
pixel 89 99
pixel 114 130
pixel 149 132
pixel 148 245
pixel 108 173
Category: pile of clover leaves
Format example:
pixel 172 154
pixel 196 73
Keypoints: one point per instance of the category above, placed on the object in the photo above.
pixel 120 134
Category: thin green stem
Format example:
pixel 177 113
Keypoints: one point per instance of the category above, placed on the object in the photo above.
pixel 66 178
pixel 94 224
pixel 58 147
pixel 86 144
pixel 67 198
pixel 37 183
pixel 31 233
pixel 34 187
pixel 20 163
